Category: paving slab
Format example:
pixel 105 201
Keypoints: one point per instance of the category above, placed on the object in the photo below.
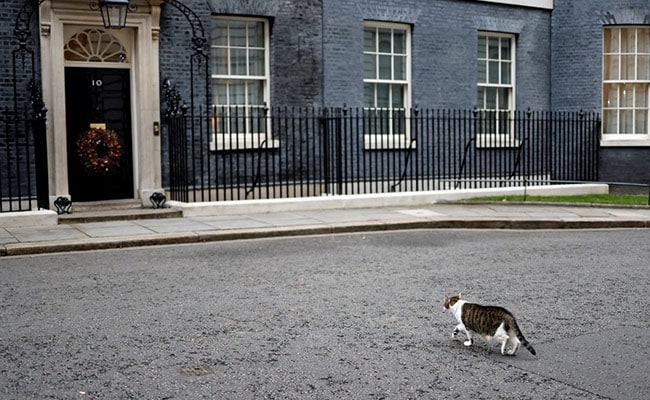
pixel 6 237
pixel 232 222
pixel 112 229
pixel 283 219
pixel 632 213
pixel 174 225
pixel 347 216
pixel 46 233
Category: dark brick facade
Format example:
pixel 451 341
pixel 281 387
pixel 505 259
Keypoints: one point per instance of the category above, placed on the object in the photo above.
pixel 444 42
pixel 577 28
pixel 295 45
pixel 316 54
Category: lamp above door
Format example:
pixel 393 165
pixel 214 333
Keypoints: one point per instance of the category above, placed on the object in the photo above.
pixel 113 12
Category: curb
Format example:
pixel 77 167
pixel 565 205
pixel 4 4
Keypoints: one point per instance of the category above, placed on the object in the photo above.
pixel 18 249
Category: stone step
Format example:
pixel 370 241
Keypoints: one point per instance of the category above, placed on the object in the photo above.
pixel 86 206
pixel 115 210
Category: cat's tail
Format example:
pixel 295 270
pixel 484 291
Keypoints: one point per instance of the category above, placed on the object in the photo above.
pixel 520 336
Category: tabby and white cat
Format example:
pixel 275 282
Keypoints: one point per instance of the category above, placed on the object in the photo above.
pixel 488 322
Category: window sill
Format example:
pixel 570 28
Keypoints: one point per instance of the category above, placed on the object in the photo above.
pixel 643 141
pixel 386 142
pixel 491 141
pixel 241 142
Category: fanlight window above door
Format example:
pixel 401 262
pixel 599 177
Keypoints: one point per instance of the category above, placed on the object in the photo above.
pixel 95 45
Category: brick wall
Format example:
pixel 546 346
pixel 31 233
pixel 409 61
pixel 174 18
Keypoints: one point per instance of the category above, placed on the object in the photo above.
pixel 444 41
pixel 295 47
pixel 577 72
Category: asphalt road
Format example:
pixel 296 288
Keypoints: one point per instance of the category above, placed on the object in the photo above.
pixel 354 316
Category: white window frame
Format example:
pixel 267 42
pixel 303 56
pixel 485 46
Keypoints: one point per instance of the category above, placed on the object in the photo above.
pixel 497 139
pixel 250 138
pixel 616 88
pixel 389 140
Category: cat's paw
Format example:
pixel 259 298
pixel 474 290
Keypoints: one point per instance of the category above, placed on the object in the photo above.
pixel 468 342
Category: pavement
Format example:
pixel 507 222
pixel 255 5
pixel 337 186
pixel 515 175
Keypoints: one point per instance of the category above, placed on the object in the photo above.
pixel 195 229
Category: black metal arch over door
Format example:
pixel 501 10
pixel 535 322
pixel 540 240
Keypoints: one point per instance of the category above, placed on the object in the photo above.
pixel 92 96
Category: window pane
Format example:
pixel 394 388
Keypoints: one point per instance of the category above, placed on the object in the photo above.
pixel 628 67
pixel 627 96
pixel 643 38
pixel 238 62
pixel 505 49
pixel 491 98
pixel 220 61
pixel 505 73
pixel 611 67
pixel 398 96
pixel 629 40
pixel 384 40
pixel 220 33
pixel 611 40
pixel 256 62
pixel 504 98
pixel 369 40
pixel 493 72
pixel 642 95
pixel 480 98
pixel 626 121
pixel 238 33
pixel 255 93
pixel 369 66
pixel 385 67
pixel 399 68
pixel 493 49
pixel 611 96
pixel 641 121
pixel 256 34
pixel 643 69
pixel 237 93
pixel 383 95
pixel 399 42
pixel 610 120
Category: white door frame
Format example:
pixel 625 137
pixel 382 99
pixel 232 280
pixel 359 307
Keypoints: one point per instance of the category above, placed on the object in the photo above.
pixel 143 27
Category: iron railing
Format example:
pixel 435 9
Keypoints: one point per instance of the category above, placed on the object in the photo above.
pixel 23 147
pixel 21 178
pixel 237 154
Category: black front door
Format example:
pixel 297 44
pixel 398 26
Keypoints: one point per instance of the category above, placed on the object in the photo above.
pixel 99 96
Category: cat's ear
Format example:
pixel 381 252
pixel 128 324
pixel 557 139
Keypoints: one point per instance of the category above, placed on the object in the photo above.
pixel 459 294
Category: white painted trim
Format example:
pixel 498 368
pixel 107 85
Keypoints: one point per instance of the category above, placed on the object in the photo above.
pixel 641 141
pixel 545 4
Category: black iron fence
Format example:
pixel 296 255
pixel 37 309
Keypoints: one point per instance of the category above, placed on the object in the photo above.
pixel 256 153
pixel 23 148
pixel 20 177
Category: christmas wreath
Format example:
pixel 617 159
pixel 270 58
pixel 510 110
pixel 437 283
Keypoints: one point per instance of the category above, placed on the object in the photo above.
pixel 99 151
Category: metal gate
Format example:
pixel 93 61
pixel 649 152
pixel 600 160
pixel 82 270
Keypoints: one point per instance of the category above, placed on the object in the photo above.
pixel 182 118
